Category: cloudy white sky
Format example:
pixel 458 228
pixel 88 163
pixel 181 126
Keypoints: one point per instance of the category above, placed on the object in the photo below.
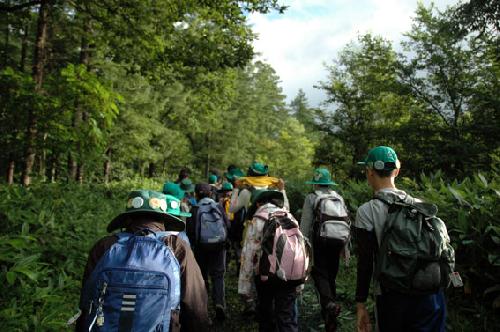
pixel 311 32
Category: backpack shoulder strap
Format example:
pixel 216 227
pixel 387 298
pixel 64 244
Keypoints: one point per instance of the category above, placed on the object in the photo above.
pixel 123 236
pixel 162 235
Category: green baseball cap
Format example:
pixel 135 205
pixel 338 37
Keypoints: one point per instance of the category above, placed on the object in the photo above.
pixel 321 176
pixel 212 179
pixel 381 158
pixel 173 189
pixel 164 207
pixel 258 168
pixel 187 185
pixel 226 186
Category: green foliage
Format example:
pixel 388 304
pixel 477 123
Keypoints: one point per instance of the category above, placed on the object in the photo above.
pixel 49 229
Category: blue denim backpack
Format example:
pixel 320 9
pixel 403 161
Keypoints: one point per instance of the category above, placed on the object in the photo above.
pixel 134 287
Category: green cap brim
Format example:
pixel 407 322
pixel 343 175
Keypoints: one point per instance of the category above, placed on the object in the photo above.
pixel 331 183
pixel 172 223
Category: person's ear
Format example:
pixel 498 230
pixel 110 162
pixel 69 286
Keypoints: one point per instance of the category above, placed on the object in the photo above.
pixel 395 172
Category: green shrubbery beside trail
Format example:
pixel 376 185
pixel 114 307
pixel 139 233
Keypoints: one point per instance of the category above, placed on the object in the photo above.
pixel 47 230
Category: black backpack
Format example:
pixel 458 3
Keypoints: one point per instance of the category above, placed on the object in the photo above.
pixel 415 255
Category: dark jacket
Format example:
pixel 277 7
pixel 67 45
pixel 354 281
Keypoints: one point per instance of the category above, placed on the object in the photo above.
pixel 194 314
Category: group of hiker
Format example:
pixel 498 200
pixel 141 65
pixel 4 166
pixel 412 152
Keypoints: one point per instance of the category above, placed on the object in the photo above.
pixel 171 248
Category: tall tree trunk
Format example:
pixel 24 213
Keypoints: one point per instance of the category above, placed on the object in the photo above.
pixel 151 169
pixel 41 163
pixel 107 166
pixel 6 41
pixel 54 165
pixel 207 161
pixel 55 168
pixel 38 71
pixel 24 48
pixel 81 116
pixel 10 169
pixel 72 166
pixel 79 173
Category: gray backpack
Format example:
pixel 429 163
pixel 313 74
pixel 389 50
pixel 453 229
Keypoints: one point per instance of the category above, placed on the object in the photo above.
pixel 211 228
pixel 332 218
pixel 415 255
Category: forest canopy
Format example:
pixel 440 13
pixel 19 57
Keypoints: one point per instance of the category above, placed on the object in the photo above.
pixel 95 91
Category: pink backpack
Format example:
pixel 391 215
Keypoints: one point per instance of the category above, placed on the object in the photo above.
pixel 285 251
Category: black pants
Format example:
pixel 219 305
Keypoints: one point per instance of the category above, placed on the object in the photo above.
pixel 419 313
pixel 276 308
pixel 212 262
pixel 326 265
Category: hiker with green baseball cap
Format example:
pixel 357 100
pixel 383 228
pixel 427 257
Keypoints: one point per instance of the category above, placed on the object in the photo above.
pixel 244 187
pixel 325 222
pixel 406 299
pixel 257 178
pixel 173 189
pixel 189 200
pixel 214 182
pixel 207 229
pixel 233 173
pixel 147 243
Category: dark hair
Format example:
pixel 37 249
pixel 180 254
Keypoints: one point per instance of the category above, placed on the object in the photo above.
pixel 384 173
pixel 231 167
pixel 252 173
pixel 274 201
pixel 324 185
pixel 203 194
pixel 184 173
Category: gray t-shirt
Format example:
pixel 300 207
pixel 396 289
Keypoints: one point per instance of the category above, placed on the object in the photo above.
pixel 372 216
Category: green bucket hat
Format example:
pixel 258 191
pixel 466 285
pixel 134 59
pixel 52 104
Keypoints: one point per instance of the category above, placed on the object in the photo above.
pixel 381 158
pixel 187 185
pixel 212 179
pixel 234 173
pixel 259 196
pixel 173 189
pixel 258 169
pixel 321 176
pixel 164 207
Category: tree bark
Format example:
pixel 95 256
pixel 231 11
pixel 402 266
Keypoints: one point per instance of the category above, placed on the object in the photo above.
pixel 151 169
pixel 38 71
pixel 24 48
pixel 6 42
pixel 54 163
pixel 79 173
pixel 72 166
pixel 10 170
pixel 82 116
pixel 107 166
pixel 207 161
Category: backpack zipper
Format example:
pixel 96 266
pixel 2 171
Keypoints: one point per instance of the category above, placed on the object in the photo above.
pixel 100 312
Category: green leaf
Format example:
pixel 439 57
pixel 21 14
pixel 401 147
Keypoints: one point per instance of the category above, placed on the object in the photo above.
pixel 33 275
pixel 11 277
pixel 25 229
pixel 494 259
pixel 483 179
pixel 458 196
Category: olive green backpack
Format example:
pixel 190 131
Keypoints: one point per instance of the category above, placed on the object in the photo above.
pixel 415 255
